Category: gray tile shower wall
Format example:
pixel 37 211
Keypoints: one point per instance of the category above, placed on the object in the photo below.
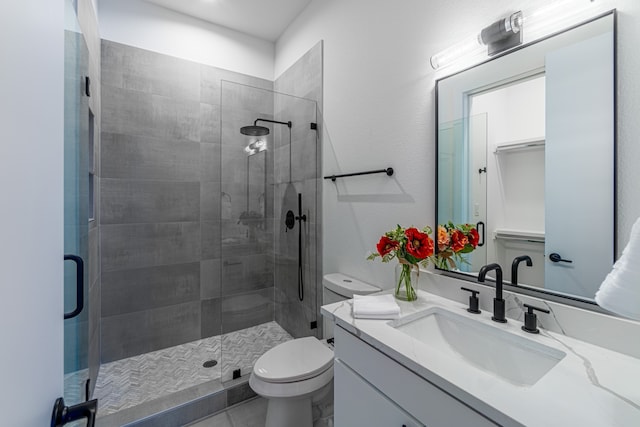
pixel 163 213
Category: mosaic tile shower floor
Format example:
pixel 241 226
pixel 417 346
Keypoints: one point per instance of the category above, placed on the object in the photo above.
pixel 130 382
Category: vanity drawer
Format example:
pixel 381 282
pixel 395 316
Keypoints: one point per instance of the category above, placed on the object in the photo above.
pixel 423 400
pixel 358 404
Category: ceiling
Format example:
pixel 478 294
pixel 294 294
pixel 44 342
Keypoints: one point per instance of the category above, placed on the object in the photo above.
pixel 265 19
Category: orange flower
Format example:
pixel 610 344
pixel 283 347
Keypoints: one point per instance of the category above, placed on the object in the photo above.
pixel 386 245
pixel 443 238
pixel 458 240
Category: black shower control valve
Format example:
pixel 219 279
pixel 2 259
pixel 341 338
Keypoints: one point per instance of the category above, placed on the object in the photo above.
pixel 236 374
pixel 290 220
pixel 473 301
pixel 531 320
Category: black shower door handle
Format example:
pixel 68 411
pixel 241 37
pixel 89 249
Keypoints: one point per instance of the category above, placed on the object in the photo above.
pixel 62 414
pixel 79 285
pixel 554 257
pixel 482 236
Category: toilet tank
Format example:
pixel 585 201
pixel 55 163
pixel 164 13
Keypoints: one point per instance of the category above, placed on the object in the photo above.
pixel 340 287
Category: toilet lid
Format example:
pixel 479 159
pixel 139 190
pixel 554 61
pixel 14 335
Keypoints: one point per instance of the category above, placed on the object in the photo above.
pixel 294 360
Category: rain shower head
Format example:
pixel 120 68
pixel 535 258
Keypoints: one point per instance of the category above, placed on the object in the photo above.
pixel 255 130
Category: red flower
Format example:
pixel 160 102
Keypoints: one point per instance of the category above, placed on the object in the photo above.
pixel 458 240
pixel 419 245
pixel 474 238
pixel 386 245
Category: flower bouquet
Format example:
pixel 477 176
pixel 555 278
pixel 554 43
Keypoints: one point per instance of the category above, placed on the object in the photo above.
pixel 411 247
pixel 453 242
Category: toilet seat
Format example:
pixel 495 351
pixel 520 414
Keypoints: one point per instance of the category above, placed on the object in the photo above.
pixel 293 361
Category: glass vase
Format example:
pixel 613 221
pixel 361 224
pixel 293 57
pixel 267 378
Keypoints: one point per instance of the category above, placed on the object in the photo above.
pixel 404 288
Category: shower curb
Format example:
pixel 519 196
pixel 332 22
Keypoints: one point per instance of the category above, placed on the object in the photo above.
pixel 183 407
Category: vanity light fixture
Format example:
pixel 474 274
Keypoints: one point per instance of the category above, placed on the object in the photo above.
pixel 556 16
pixel 502 34
pixel 507 32
pixel 469 47
pixel 497 37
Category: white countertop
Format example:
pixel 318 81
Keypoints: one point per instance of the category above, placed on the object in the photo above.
pixel 590 386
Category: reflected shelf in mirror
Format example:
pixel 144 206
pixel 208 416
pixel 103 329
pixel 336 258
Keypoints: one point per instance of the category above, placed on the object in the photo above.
pixel 525 144
pixel 523 235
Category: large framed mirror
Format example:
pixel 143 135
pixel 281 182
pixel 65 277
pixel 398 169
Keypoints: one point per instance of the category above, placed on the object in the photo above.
pixel 526 150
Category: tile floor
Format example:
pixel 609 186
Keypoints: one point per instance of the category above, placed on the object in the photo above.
pixel 130 382
pixel 252 413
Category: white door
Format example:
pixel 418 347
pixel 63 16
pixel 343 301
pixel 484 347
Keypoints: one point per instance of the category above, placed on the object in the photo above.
pixel 579 163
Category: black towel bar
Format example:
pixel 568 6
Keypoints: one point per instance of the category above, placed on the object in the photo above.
pixel 388 171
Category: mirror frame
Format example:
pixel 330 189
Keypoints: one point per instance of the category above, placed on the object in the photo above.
pixel 544 293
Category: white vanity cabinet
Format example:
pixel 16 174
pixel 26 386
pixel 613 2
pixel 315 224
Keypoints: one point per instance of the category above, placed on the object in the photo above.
pixel 372 389
pixel 362 405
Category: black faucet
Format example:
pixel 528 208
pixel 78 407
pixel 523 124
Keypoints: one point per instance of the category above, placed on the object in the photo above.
pixel 498 302
pixel 514 267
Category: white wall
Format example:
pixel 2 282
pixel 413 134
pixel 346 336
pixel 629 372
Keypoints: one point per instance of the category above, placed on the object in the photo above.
pixel 148 26
pixel 31 248
pixel 379 111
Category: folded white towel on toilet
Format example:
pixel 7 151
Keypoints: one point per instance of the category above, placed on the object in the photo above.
pixel 375 307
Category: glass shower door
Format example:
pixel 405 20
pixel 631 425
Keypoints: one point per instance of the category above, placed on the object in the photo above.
pixel 462 181
pixel 76 211
pixel 269 198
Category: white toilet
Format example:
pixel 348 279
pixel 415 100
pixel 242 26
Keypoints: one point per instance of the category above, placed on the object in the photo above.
pixel 296 373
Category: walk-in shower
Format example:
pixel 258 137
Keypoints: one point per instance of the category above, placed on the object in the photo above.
pixel 199 276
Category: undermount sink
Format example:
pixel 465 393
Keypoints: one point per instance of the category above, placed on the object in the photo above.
pixel 511 357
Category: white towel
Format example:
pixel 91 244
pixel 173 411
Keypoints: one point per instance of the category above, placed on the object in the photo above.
pixel 375 307
pixel 620 291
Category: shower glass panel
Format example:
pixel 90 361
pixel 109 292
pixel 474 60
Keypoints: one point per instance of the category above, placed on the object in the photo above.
pixel 462 178
pixel 268 268
pixel 76 207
